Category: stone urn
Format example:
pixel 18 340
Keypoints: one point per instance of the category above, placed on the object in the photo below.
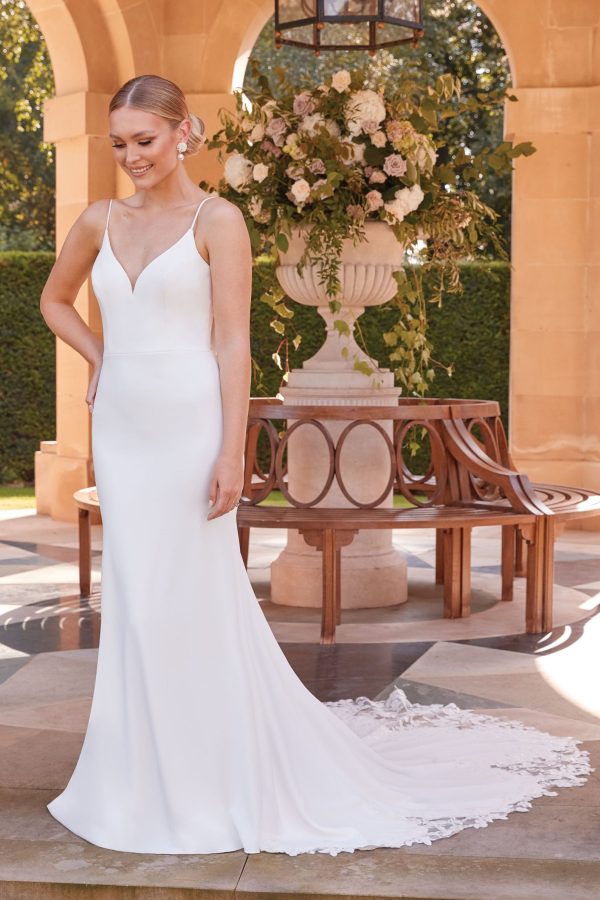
pixel 374 572
pixel 366 277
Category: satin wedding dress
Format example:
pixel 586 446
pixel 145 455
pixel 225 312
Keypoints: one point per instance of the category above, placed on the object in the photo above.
pixel 201 738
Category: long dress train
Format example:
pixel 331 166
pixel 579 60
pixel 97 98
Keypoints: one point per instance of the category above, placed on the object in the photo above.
pixel 201 738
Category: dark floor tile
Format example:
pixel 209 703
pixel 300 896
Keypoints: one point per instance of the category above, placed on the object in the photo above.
pixel 557 639
pixel 428 693
pixel 8 667
pixel 351 670
pixel 78 627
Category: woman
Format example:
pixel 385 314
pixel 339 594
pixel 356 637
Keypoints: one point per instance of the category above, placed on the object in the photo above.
pixel 201 738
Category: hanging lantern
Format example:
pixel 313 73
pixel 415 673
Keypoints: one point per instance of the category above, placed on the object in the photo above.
pixel 324 24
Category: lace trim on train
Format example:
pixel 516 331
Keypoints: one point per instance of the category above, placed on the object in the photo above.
pixel 554 761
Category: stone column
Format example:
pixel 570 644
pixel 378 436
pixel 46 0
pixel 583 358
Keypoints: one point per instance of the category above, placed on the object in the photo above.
pixel 84 172
pixel 555 318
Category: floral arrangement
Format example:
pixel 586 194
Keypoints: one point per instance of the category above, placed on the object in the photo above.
pixel 326 159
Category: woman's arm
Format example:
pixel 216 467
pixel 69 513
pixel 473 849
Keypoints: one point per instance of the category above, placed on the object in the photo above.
pixel 68 273
pixel 228 244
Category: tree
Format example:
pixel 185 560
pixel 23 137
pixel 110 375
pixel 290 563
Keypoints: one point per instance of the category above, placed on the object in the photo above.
pixel 26 160
pixel 459 39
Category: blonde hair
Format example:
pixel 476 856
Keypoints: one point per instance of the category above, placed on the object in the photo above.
pixel 158 95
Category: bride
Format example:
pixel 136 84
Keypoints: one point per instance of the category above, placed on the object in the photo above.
pixel 201 738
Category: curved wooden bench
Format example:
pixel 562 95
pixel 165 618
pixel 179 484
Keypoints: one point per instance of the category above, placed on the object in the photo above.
pixel 471 482
pixel 87 501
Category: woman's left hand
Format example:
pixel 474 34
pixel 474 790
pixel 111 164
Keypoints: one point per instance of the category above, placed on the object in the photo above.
pixel 226 486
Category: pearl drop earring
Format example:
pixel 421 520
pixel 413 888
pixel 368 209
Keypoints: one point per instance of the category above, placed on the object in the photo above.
pixel 181 147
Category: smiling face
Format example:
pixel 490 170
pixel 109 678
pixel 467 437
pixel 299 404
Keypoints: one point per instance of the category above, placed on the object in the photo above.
pixel 144 144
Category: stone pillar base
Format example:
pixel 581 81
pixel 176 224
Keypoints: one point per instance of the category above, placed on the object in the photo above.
pixel 373 572
pixel 369 579
pixel 56 480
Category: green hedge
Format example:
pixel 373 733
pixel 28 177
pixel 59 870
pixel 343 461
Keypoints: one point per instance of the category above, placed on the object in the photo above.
pixel 27 364
pixel 471 331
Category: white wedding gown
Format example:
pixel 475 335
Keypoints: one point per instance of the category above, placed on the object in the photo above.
pixel 201 738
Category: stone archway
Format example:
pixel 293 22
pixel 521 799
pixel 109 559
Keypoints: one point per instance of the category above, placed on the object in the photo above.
pixel 202 44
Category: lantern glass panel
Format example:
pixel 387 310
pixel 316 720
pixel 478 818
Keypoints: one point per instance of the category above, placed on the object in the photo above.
pixel 350 7
pixel 345 35
pixel 293 10
pixel 394 33
pixel 304 34
pixel 402 9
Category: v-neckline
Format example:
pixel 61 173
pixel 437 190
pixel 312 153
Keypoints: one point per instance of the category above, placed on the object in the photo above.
pixel 133 286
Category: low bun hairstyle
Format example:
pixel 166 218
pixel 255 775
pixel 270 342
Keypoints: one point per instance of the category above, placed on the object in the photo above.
pixel 158 95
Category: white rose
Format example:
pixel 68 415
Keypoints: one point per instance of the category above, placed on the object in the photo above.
pixel 379 139
pixel 406 201
pixel 340 81
pixel 257 133
pixel 260 172
pixel 237 171
pixel 309 123
pixel 301 190
pixel 364 106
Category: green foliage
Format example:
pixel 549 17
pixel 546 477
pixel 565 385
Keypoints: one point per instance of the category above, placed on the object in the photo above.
pixel 325 159
pixel 26 161
pixel 472 332
pixel 27 363
pixel 459 40
pixel 474 328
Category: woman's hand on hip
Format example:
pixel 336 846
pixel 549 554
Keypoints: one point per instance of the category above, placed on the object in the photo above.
pixel 90 397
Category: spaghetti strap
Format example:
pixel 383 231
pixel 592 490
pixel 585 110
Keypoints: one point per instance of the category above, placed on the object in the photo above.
pixel 202 202
pixel 108 214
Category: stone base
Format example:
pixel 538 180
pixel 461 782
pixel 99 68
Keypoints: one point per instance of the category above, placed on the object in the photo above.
pixel 56 480
pixel 368 579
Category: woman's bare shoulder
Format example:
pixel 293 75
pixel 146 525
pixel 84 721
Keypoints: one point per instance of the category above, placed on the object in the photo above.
pixel 223 212
pixel 92 219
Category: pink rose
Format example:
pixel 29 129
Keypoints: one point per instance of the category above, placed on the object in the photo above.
pixel 397 130
pixel 276 129
pixel 374 201
pixel 394 165
pixel 270 147
pixel 377 177
pixel 304 105
pixel 316 166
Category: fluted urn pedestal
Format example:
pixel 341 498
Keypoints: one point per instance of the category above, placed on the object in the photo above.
pixel 373 572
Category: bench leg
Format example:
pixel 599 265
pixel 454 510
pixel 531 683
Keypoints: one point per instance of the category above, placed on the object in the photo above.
pixel 439 556
pixel 244 539
pixel 85 553
pixel 457 572
pixel 520 555
pixel 540 575
pixel 338 583
pixel 330 543
pixel 331 592
pixel 509 538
